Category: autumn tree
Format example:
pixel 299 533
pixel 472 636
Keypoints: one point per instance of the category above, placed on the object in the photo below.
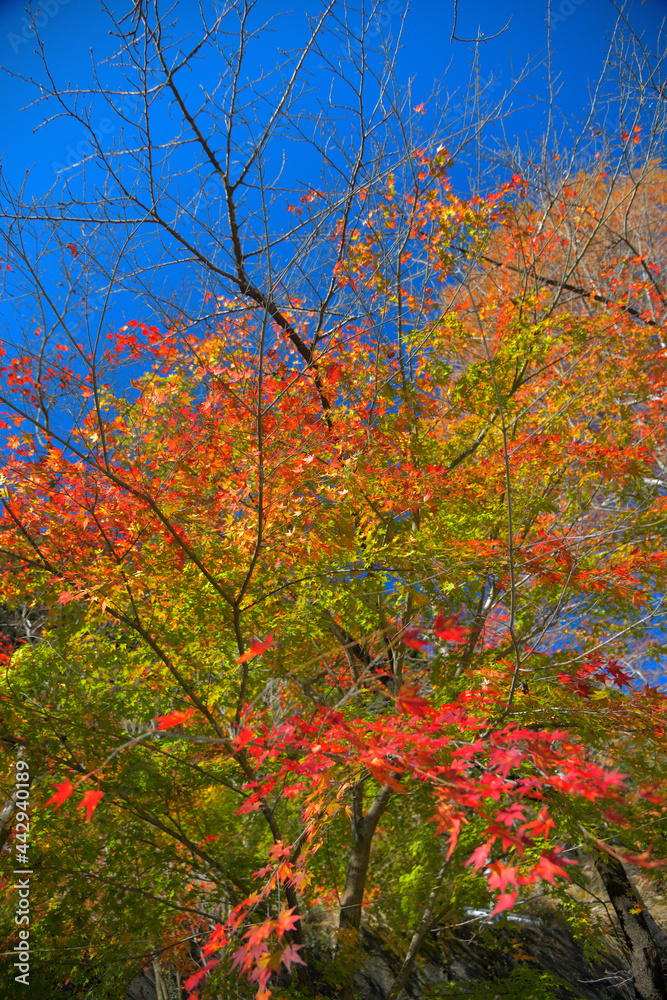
pixel 344 546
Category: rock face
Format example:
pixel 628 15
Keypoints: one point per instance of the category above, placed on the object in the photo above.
pixel 532 941
pixel 536 941
pixel 142 987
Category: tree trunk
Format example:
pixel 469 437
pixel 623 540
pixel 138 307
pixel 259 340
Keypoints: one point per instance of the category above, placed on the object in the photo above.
pixel 352 897
pixel 6 814
pixel 645 961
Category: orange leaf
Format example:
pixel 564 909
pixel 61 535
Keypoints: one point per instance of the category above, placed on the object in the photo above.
pixel 257 647
pixel 89 802
pixel 173 719
pixel 286 921
pixel 217 940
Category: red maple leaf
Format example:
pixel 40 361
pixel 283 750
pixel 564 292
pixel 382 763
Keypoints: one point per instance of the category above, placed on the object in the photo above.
pixel 449 818
pixel 410 638
pixel 173 719
pixel 243 737
pixel 410 703
pixel 643 860
pixel 291 956
pixel 510 815
pixel 217 940
pixel 257 647
pixel 89 802
pixel 447 629
pixel 196 977
pixel 505 901
pixel 62 792
pixel 541 825
pixel 479 856
pixel 547 869
pixel 501 875
pixel 73 249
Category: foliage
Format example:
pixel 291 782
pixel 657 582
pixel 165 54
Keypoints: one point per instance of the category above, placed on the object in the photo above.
pixel 349 613
pixel 523 983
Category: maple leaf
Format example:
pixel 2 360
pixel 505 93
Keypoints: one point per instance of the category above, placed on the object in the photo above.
pixel 501 875
pixel 410 637
pixel 505 901
pixel 62 792
pixel 259 932
pixel 217 940
pixel 650 792
pixel 173 719
pixel 243 737
pixel 479 856
pixel 192 981
pixel 541 825
pixel 279 850
pixel 643 860
pixel 510 815
pixel 89 802
pixel 449 818
pixel 292 791
pixel 286 921
pixel 447 629
pixel 290 956
pixel 620 677
pixel 257 647
pixel 66 596
pixel 73 249
pixel 547 869
pixel 410 703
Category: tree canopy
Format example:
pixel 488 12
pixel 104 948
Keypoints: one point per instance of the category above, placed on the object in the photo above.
pixel 333 577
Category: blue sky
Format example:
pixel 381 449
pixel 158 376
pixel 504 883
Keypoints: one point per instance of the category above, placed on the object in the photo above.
pixel 76 36
pixel 70 28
